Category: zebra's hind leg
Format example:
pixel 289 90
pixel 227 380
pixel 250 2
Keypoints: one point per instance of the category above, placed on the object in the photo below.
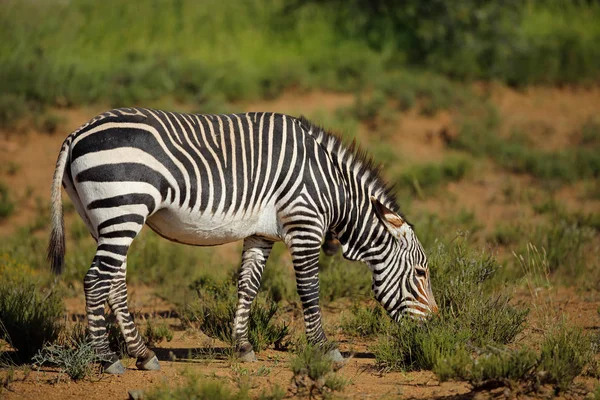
pixel 97 284
pixel 114 238
pixel 254 257
pixel 117 299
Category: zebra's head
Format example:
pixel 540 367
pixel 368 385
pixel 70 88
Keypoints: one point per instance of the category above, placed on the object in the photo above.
pixel 401 281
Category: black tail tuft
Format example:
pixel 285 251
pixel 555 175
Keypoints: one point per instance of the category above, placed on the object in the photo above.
pixel 56 250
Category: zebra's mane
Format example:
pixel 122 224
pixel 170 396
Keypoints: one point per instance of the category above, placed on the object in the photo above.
pixel 355 158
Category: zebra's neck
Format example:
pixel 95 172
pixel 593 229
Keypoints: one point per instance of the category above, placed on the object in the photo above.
pixel 355 225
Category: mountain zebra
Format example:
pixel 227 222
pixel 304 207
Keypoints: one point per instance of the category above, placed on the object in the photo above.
pixel 214 179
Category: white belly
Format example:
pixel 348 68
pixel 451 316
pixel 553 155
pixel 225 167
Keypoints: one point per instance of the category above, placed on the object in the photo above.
pixel 208 230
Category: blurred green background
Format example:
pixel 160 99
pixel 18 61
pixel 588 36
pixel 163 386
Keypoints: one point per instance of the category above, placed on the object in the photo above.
pixel 65 53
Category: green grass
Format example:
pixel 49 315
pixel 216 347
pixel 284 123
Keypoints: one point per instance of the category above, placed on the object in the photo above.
pixel 53 53
pixel 425 178
pixel 479 137
pixel 314 372
pixel 364 321
pixel 29 318
pixel 214 309
pixel 196 388
pixel 76 358
pixel 156 331
pixel 7 205
pixel 471 314
pixel 340 278
pixel 565 352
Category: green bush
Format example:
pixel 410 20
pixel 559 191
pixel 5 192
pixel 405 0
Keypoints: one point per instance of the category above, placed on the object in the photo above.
pixel 214 310
pixel 563 166
pixel 7 206
pixel 471 314
pixel 28 318
pixel 156 332
pixel 314 372
pixel 364 321
pixel 427 177
pixel 76 358
pixel 339 278
pixel 565 352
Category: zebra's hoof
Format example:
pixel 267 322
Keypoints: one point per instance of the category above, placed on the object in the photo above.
pixel 335 356
pixel 148 363
pixel 115 368
pixel 248 357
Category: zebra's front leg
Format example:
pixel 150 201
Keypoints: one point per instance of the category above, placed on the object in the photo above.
pixel 254 257
pixel 305 256
pixel 136 348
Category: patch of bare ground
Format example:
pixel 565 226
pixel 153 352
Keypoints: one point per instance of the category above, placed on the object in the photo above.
pixel 547 116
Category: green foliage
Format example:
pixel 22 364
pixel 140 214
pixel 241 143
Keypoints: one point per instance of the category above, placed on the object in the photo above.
pixel 156 332
pixel 364 321
pixel 564 166
pixel 469 314
pixel 340 278
pixel 426 177
pixel 314 370
pixel 411 346
pixel 76 358
pixel 564 243
pixel 12 107
pixel 28 317
pixel 46 56
pixel 565 352
pixel 516 42
pixel 493 368
pixel 214 309
pixel 204 389
pixel 7 206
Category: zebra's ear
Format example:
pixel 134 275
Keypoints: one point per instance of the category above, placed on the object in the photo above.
pixel 392 221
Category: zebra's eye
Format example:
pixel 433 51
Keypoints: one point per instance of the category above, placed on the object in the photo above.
pixel 422 272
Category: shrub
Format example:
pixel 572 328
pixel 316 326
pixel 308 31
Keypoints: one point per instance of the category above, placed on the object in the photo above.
pixel 365 321
pixel 205 389
pixel 412 346
pixel 564 166
pixel 564 354
pixel 76 358
pixel 427 177
pixel 340 278
pixel 28 318
pixel 7 206
pixel 12 108
pixel 493 368
pixel 313 370
pixel 214 310
pixel 470 314
pixel 156 332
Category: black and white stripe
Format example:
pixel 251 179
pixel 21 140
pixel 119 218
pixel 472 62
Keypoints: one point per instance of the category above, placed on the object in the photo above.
pixel 213 179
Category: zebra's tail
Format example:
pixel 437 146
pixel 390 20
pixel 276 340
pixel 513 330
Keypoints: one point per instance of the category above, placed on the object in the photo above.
pixel 56 246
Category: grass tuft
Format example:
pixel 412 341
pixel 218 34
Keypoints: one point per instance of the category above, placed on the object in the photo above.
pixel 314 372
pixel 214 309
pixel 364 321
pixel 76 358
pixel 28 318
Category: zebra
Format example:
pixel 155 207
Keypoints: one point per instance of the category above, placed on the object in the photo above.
pixel 212 179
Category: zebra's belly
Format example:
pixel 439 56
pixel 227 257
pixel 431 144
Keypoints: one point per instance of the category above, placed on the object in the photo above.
pixel 205 229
